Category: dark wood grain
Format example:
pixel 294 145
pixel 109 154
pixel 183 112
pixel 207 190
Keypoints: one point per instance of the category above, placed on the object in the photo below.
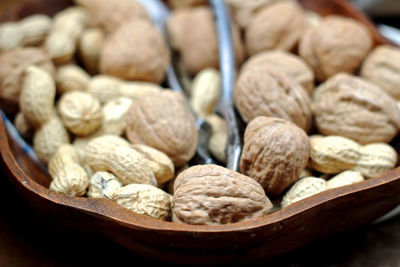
pixel 327 213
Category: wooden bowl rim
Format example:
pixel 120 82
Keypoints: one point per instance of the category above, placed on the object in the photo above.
pixel 108 209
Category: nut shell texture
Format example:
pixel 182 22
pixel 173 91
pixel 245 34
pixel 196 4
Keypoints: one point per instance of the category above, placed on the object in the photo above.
pixel 304 188
pixel 344 178
pixel 103 185
pixel 211 194
pixel 136 51
pixel 274 154
pixel 163 121
pixel 71 179
pixel 356 109
pixel 336 45
pixel 269 92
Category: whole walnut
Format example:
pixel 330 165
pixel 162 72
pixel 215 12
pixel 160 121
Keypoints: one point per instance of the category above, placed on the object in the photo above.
pixel 192 33
pixel 275 152
pixel 266 91
pixel 336 44
pixel 294 66
pixel 276 26
pixel 12 67
pixel 163 121
pixel 136 51
pixel 211 194
pixel 382 67
pixel 109 14
pixel 357 109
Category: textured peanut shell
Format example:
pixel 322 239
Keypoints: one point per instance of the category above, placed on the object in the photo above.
pixel 103 185
pixel 219 137
pixel 292 65
pixel 12 67
pixel 164 122
pixel 354 108
pixel 211 194
pixel 114 115
pixel 336 45
pixel 302 189
pixel 11 36
pixel 65 154
pixel 274 153
pixel 71 179
pixel 276 26
pixel 23 127
pixel 34 29
pixel 344 178
pixel 192 33
pixel 135 51
pixel 90 45
pixel 382 67
pixel 71 78
pixel 269 92
pixel 145 199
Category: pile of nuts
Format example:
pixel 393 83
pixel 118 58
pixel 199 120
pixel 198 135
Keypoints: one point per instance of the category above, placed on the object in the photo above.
pixel 86 89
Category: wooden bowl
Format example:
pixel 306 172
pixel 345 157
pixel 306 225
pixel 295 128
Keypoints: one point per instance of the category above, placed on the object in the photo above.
pixel 330 212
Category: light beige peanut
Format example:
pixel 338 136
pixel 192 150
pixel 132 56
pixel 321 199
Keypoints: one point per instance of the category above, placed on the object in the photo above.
pixel 333 154
pixel 23 127
pixel 219 136
pixel 37 96
pixel 34 29
pixel 65 154
pixel 344 178
pixel 161 165
pixel 376 159
pixel 105 88
pixel 305 173
pixel 10 36
pixel 80 143
pixel 80 112
pixel 71 179
pixel 48 138
pixel 114 114
pixel 60 47
pixel 71 78
pixel 103 185
pixel 89 48
pixel 302 189
pixel 145 199
pixel 205 92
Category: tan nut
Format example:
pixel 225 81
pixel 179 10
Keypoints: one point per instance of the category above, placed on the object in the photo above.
pixel 23 127
pixel 145 199
pixel 186 3
pixel 37 96
pixel 302 189
pixel 344 178
pixel 205 92
pixel 34 29
pixel 275 152
pixel 71 78
pixel 65 154
pixel 80 112
pixel 211 194
pixel 71 179
pixel 103 185
pixel 10 36
pixel 114 116
pixel 90 45
pixel 219 137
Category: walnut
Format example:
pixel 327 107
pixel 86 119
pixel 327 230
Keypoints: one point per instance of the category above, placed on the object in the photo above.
pixel 135 51
pixel 382 67
pixel 192 33
pixel 336 44
pixel 211 194
pixel 163 121
pixel 12 67
pixel 276 26
pixel 354 108
pixel 274 154
pixel 294 66
pixel 266 91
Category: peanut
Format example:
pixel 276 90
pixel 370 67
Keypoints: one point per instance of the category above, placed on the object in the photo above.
pixel 10 36
pixel 303 188
pixel 219 136
pixel 114 114
pixel 23 127
pixel 65 154
pixel 34 29
pixel 71 179
pixel 71 78
pixel 344 178
pixel 103 185
pixel 89 48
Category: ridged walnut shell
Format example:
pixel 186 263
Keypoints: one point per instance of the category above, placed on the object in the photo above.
pixel 163 121
pixel 12 67
pixel 276 26
pixel 136 51
pixel 266 91
pixel 382 67
pixel 354 108
pixel 192 33
pixel 336 45
pixel 211 194
pixel 274 154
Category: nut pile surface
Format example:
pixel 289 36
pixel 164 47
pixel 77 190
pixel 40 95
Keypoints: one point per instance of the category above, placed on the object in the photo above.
pixel 87 90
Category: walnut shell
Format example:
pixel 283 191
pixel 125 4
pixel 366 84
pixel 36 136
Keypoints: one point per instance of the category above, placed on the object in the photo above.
pixel 335 45
pixel 274 154
pixel 269 92
pixel 295 67
pixel 163 121
pixel 382 67
pixel 148 60
pixel 276 26
pixel 354 108
pixel 211 194
pixel 12 68
pixel 192 33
